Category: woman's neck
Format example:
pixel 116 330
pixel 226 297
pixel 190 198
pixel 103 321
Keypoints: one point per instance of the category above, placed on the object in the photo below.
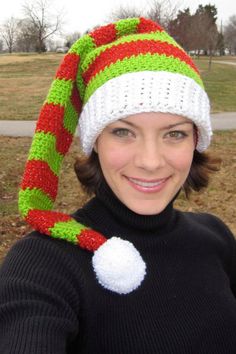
pixel 127 217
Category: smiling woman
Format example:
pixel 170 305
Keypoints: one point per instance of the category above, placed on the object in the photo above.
pixel 127 272
pixel 145 160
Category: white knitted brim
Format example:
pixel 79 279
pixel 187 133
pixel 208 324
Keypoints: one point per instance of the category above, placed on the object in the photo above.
pixel 146 91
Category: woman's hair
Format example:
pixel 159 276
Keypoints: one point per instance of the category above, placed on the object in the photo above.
pixel 203 165
pixel 89 173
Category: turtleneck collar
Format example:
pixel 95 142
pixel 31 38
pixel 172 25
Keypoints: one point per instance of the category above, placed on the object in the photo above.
pixel 105 198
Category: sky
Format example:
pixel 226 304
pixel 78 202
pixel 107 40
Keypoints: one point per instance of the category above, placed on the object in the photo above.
pixel 83 15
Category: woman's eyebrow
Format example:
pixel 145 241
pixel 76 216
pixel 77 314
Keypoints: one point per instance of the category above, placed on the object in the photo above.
pixel 129 123
pixel 176 124
pixel 163 128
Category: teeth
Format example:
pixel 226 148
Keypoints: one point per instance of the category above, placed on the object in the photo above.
pixel 145 184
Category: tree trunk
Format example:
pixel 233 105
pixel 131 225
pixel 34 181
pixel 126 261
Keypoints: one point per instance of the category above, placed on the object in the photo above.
pixel 210 61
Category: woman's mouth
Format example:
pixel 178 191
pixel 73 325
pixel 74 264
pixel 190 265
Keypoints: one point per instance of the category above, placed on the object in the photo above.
pixel 143 185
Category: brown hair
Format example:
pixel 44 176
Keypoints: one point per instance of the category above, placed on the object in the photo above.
pixel 203 165
pixel 89 173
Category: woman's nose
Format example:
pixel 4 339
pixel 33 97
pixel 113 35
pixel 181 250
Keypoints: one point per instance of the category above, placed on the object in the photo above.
pixel 150 156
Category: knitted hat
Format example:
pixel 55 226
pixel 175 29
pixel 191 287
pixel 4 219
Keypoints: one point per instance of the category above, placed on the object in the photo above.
pixel 119 69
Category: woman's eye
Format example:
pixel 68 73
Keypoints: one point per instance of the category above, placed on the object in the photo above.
pixel 122 132
pixel 177 134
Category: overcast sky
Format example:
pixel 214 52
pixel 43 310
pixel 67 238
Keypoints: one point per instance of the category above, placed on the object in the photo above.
pixel 82 15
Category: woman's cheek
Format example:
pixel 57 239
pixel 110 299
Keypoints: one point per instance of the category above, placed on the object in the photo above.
pixel 181 161
pixel 117 158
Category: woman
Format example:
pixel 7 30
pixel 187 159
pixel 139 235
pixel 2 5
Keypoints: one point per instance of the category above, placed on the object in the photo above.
pixel 146 278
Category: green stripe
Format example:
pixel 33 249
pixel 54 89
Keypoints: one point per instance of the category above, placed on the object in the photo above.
pixel 44 148
pixel 33 199
pixel 70 118
pixel 156 36
pixel 68 230
pixel 124 27
pixel 82 46
pixel 141 62
pixel 60 92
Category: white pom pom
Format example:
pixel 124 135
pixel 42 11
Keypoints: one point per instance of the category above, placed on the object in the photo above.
pixel 119 267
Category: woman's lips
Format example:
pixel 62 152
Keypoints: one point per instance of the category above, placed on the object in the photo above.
pixel 149 186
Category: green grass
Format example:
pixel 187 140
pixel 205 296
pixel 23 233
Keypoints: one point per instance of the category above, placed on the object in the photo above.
pixel 226 58
pixel 25 80
pixel 220 84
pixel 24 83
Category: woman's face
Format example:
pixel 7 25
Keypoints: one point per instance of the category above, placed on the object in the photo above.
pixel 145 159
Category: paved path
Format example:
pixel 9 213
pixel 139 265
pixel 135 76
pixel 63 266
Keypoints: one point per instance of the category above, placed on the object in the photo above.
pixel 224 62
pixel 224 121
pixel 220 121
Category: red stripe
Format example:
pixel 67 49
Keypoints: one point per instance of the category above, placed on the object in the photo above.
pixel 42 220
pixel 147 26
pixel 69 67
pixel 51 118
pixel 39 175
pixel 127 50
pixel 104 35
pixel 51 121
pixel 76 100
pixel 63 141
pixel 90 240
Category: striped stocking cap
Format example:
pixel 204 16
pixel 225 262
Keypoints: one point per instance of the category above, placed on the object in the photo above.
pixel 123 68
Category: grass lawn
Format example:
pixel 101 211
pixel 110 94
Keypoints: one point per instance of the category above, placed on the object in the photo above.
pixel 218 199
pixel 24 83
pixel 226 58
pixel 25 80
pixel 220 83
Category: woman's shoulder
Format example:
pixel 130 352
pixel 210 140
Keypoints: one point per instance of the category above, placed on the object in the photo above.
pixel 210 223
pixel 205 218
pixel 40 251
pixel 41 243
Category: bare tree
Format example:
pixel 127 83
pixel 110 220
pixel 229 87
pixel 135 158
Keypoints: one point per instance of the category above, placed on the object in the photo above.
pixel 26 36
pixel 180 29
pixel 44 21
pixel 212 42
pixel 230 35
pixel 124 12
pixel 9 32
pixel 205 31
pixel 163 12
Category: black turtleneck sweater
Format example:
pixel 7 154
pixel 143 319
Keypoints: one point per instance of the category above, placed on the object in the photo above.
pixel 51 302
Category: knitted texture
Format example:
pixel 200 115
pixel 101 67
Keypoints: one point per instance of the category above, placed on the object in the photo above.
pixel 137 67
pixel 95 82
pixel 147 91
pixel 55 128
